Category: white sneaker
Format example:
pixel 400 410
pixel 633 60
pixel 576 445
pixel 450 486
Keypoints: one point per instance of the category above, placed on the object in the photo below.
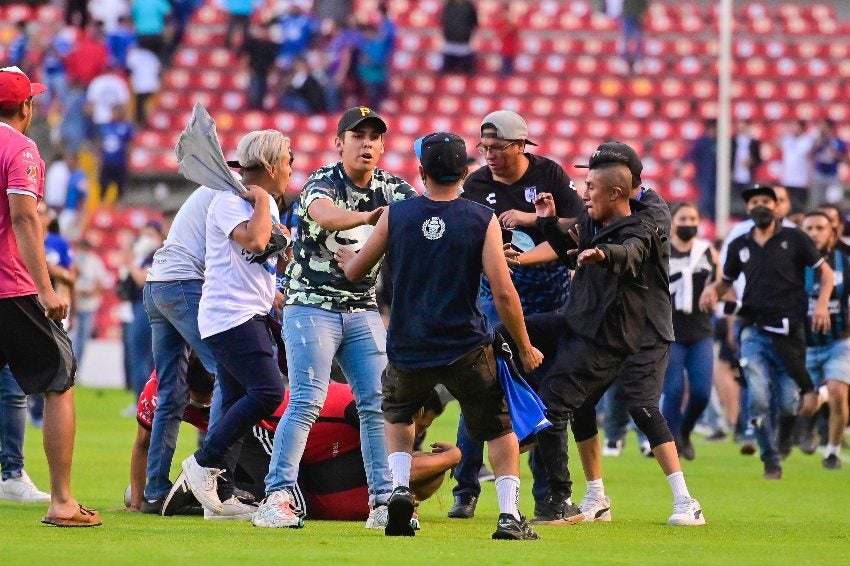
pixel 687 513
pixel 613 448
pixel 22 490
pixel 596 508
pixel 378 517
pixel 646 449
pixel 204 483
pixel 231 510
pixel 277 511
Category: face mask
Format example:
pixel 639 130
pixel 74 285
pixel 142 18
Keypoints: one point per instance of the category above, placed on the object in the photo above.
pixel 686 233
pixel 762 216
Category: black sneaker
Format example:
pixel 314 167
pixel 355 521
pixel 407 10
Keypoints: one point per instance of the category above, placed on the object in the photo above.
pixel 464 507
pixel 832 462
pixel 399 511
pixel 772 471
pixel 717 436
pixel 244 496
pixel 686 448
pixel 509 528
pixel 152 507
pixel 556 511
pixel 179 498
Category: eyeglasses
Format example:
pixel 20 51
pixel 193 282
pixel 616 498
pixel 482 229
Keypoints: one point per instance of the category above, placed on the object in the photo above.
pixel 483 149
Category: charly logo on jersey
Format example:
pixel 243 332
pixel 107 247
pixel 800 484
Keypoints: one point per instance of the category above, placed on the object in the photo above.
pixel 744 255
pixel 784 244
pixel 434 228
pixel 531 194
pixel 491 199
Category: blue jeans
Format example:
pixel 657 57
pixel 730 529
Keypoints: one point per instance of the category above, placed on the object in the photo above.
pixel 139 348
pixel 80 334
pixel 249 382
pixel 13 422
pixel 768 382
pixel 172 307
pixel 314 337
pixel 472 451
pixel 698 360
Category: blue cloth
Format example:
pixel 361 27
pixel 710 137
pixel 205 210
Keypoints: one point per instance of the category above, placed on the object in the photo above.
pixel 828 156
pixel 172 307
pixel 298 31
pixel 13 422
pixel 119 43
pixel 58 251
pixel 528 414
pixel 149 16
pixel 314 337
pixel 76 194
pixel 240 7
pixel 115 140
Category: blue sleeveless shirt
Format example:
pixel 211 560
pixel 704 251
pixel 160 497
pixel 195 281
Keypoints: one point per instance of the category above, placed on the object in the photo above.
pixel 434 258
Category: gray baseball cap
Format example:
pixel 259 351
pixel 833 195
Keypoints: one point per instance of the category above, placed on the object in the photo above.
pixel 508 125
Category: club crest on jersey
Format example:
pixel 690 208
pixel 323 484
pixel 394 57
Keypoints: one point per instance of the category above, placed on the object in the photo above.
pixel 32 173
pixel 434 228
pixel 531 194
pixel 744 255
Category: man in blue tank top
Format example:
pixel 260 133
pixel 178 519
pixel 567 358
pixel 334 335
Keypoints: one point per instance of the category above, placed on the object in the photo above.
pixel 437 248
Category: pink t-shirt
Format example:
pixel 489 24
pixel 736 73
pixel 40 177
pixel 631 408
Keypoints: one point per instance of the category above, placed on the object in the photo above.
pixel 21 173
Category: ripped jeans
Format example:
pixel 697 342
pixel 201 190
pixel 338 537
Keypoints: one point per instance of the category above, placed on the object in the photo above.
pixel 313 337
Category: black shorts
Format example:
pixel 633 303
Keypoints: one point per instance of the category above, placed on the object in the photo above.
pixel 472 380
pixel 36 348
pixel 641 379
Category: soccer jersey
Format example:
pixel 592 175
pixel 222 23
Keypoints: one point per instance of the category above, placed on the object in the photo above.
pixel 21 173
pixel 195 416
pixel 314 278
pixel 839 317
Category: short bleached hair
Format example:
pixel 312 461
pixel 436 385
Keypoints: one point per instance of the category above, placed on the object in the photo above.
pixel 262 149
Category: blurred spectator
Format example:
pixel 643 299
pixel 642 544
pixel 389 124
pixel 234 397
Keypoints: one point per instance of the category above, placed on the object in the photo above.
pixel 299 27
pixel 262 47
pixel 239 17
pixel 76 13
pixel 703 154
pixel 144 69
pixel 181 11
pixel 305 95
pixel 829 152
pixel 373 62
pixel 116 137
pixel 19 46
pixel 72 219
pixel 92 279
pixel 109 12
pixel 89 57
pixel 105 93
pixel 508 34
pixel 631 23
pixel 76 126
pixel 336 10
pixel 796 145
pixel 746 159
pixel 120 40
pixel 459 21
pixel 149 21
pixel 57 47
pixel 56 182
pixel 341 51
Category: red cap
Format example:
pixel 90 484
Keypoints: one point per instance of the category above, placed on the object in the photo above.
pixel 15 87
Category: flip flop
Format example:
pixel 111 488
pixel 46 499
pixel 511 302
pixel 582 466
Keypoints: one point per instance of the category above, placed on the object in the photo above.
pixel 82 518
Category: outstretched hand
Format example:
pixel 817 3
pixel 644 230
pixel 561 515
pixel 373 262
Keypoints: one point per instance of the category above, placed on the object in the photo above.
pixel 588 257
pixel 544 205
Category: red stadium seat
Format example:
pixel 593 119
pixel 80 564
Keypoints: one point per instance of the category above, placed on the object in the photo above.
pixel 775 110
pixel 640 108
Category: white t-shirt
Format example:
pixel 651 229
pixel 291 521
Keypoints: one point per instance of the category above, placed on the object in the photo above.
pixel 796 165
pixel 181 257
pixel 144 70
pixel 104 93
pixel 235 289
pixel 92 273
pixel 741 171
pixel 56 184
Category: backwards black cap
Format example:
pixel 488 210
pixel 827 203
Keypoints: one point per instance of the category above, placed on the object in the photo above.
pixel 616 152
pixel 442 155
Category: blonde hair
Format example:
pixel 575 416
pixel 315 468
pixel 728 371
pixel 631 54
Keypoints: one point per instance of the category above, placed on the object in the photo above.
pixel 262 148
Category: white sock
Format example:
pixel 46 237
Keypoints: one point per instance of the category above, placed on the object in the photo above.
pixel 832 449
pixel 678 485
pixel 400 468
pixel 595 489
pixel 507 490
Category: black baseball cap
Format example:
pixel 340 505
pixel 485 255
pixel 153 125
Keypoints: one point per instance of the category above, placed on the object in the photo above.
pixel 353 117
pixel 616 152
pixel 759 189
pixel 442 155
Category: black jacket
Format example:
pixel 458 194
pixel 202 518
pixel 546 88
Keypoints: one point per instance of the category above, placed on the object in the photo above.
pixel 659 322
pixel 608 301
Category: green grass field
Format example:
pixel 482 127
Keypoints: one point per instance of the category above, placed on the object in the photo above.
pixel 801 519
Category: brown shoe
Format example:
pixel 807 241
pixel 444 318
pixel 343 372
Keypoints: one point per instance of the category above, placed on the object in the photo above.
pixel 84 517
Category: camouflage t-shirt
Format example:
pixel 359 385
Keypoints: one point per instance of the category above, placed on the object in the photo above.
pixel 314 278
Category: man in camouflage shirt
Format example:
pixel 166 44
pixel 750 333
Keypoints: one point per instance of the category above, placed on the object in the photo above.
pixel 328 317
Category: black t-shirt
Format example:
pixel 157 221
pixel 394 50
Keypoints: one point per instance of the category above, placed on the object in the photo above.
pixel 775 274
pixel 690 327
